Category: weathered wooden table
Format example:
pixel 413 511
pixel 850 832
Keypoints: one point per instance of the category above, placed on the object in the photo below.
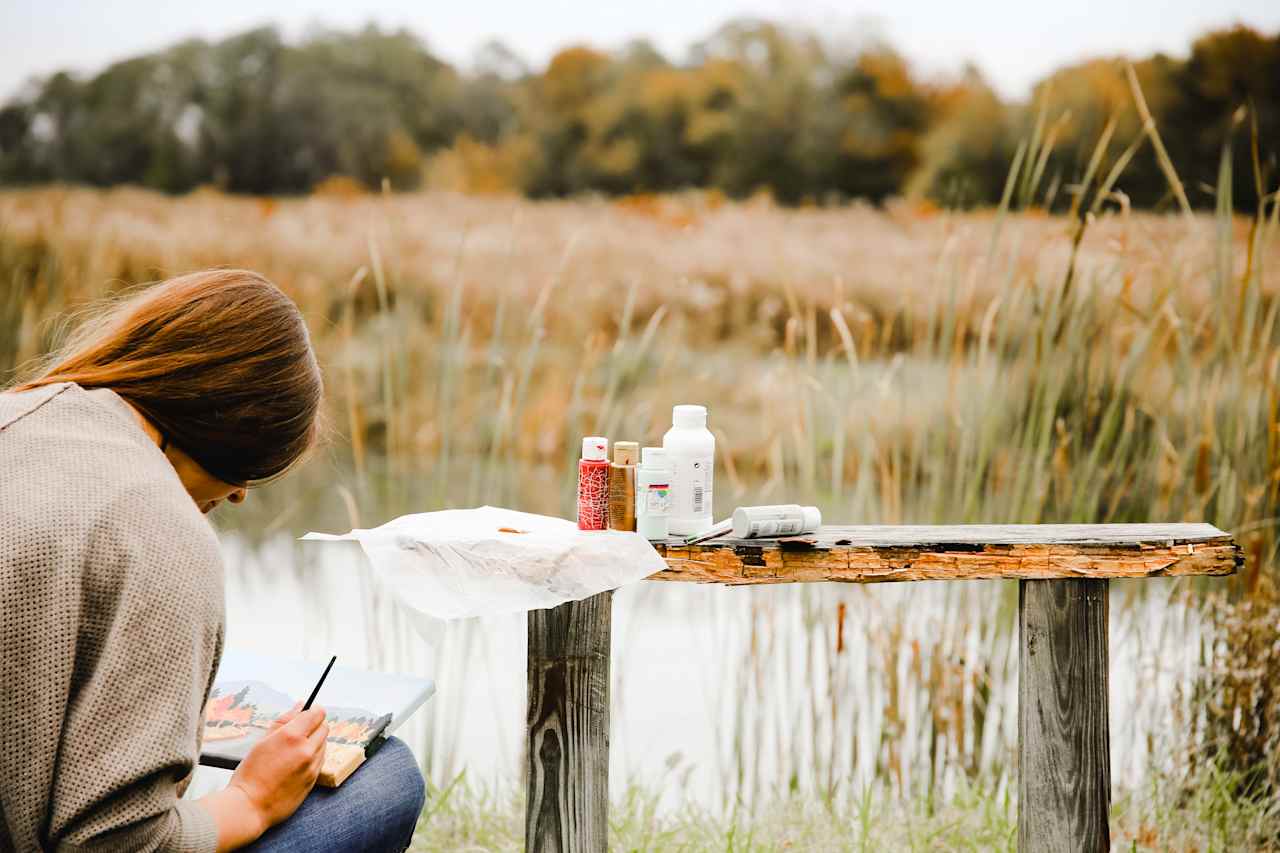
pixel 1064 789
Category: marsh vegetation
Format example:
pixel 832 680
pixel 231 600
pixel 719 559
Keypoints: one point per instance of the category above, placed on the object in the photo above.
pixel 895 364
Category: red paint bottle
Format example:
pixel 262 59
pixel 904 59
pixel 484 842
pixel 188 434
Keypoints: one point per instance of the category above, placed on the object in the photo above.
pixel 593 484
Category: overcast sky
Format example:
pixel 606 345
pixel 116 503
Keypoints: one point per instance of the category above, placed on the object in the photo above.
pixel 1013 42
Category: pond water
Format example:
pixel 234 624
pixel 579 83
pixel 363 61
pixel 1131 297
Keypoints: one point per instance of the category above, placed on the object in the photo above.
pixel 722 694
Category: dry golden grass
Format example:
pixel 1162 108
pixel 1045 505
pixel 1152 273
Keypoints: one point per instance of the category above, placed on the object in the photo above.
pixel 732 268
pixel 495 290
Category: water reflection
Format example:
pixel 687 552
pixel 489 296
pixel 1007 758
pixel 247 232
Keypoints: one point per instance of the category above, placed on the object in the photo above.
pixel 719 693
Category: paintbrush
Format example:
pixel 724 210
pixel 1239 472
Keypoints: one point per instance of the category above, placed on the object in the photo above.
pixel 323 676
pixel 714 532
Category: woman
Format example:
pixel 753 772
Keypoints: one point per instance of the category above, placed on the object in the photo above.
pixel 111 601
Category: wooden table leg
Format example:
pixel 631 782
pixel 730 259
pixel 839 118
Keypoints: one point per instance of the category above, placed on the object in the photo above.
pixel 1064 785
pixel 568 747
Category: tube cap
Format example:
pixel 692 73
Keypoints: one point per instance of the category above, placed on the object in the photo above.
pixel 595 448
pixel 812 518
pixel 689 416
pixel 625 452
pixel 653 457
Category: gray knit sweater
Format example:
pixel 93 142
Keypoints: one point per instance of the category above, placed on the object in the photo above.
pixel 111 626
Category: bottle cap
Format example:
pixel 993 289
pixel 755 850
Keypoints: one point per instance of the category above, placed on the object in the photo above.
pixel 689 416
pixel 812 518
pixel 653 457
pixel 625 452
pixel 595 448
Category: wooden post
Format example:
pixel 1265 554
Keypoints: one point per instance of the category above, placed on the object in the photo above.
pixel 568 747
pixel 1064 785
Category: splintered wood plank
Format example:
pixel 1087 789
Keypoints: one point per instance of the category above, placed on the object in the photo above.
pixel 872 554
pixel 567 753
pixel 1064 777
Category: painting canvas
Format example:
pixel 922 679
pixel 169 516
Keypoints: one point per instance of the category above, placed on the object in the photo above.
pixel 252 690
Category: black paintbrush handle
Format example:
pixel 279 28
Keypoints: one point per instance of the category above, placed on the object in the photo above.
pixel 319 683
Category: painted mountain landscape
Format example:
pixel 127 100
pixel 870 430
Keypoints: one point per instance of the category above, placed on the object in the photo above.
pixel 239 713
pixel 252 690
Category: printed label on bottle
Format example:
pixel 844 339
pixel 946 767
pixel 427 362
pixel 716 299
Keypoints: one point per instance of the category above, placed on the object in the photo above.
pixel 593 495
pixel 622 497
pixel 776 527
pixel 692 486
pixel 657 500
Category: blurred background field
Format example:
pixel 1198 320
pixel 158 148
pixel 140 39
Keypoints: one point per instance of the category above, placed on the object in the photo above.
pixel 901 300
pixel 896 365
pixel 900 363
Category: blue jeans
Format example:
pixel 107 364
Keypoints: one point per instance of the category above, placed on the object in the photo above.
pixel 376 810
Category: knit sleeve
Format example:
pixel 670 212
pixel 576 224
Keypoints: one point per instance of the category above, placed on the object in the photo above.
pixel 151 617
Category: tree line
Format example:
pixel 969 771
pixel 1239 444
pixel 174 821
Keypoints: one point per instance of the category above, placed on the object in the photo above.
pixel 756 107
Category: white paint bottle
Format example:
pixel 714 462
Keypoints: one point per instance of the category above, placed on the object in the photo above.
pixel 691 451
pixel 653 494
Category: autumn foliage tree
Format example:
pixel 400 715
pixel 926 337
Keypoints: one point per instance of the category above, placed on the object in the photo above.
pixel 757 106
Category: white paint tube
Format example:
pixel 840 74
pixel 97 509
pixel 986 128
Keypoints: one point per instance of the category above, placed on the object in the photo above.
pixel 763 522
pixel 755 522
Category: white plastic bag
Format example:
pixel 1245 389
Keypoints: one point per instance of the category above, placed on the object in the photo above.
pixel 459 563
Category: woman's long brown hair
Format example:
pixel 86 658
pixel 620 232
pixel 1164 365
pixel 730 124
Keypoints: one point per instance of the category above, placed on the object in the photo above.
pixel 219 361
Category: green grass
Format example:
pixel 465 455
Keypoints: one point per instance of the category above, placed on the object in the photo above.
pixel 464 817
pixel 1196 811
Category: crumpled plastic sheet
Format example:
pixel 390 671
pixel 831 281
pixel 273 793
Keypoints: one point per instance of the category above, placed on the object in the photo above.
pixel 460 563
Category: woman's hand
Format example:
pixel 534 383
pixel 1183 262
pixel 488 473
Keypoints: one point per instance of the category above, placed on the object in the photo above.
pixel 272 780
pixel 281 769
pixel 285 717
